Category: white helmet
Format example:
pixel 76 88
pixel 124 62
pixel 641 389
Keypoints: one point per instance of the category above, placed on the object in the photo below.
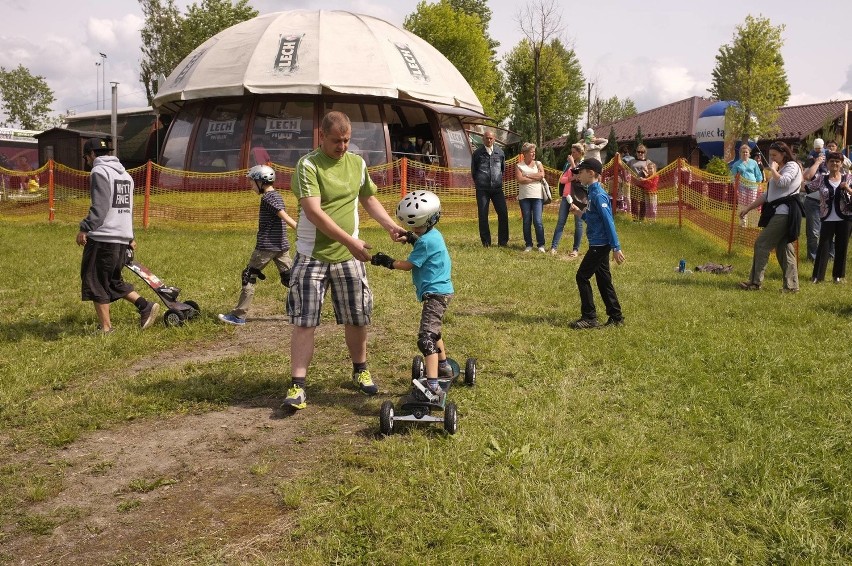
pixel 419 208
pixel 263 173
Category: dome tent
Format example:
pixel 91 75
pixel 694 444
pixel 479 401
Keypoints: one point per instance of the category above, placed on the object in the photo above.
pixel 255 93
pixel 318 52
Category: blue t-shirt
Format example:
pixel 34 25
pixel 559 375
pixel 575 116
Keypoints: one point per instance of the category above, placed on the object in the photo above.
pixel 432 265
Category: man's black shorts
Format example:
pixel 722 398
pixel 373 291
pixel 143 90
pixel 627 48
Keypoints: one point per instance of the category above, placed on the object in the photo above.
pixel 100 272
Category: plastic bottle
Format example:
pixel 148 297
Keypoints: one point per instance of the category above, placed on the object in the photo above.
pixel 682 266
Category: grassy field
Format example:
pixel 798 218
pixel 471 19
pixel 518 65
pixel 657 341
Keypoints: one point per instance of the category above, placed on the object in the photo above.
pixel 714 428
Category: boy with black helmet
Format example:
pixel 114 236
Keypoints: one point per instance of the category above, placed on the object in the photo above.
pixel 272 243
pixel 430 266
pixel 105 234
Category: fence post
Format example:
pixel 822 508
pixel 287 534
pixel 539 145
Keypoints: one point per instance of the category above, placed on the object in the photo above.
pixel 616 169
pixel 51 195
pixel 146 208
pixel 681 166
pixel 734 204
pixel 403 177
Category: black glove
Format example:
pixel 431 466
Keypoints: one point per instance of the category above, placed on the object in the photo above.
pixel 383 259
pixel 410 237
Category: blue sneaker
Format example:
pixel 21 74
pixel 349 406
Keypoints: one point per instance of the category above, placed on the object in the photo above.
pixel 231 319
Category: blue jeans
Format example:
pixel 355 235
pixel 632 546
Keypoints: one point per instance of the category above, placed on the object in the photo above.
pixel 564 211
pixel 531 214
pixel 812 227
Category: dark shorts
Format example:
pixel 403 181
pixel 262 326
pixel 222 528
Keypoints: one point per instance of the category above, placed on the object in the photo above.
pixel 100 272
pixel 432 316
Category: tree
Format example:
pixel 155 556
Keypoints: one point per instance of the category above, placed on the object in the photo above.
pixel 638 140
pixel 606 111
pixel 612 143
pixel 540 21
pixel 168 37
pixel 750 70
pixel 562 102
pixel 26 99
pixel 459 36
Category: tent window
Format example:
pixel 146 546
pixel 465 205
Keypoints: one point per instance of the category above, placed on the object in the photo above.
pixel 283 131
pixel 220 137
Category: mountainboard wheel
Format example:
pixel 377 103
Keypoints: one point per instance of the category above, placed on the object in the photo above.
pixel 386 418
pixel 470 372
pixel 418 368
pixel 196 310
pixel 451 418
pixel 173 318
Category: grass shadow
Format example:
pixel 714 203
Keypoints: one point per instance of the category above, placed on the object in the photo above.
pixel 48 331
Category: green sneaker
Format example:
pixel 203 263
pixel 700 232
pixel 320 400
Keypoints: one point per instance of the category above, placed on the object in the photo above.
pixel 295 399
pixel 364 381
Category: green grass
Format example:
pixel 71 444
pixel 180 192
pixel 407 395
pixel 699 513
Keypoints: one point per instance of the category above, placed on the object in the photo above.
pixel 714 428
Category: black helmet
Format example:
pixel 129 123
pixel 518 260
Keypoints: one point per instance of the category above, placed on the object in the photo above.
pixel 99 145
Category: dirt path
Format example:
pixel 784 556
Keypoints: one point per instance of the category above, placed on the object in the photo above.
pixel 132 493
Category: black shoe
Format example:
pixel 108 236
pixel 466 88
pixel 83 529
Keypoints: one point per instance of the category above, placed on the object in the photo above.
pixel 614 322
pixel 583 323
pixel 148 315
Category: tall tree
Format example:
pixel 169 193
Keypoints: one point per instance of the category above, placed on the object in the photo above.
pixel 562 89
pixel 540 21
pixel 168 37
pixel 478 8
pixel 605 111
pixel 750 70
pixel 459 36
pixel 26 99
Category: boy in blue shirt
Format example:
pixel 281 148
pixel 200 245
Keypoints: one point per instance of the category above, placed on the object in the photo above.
pixel 600 231
pixel 430 266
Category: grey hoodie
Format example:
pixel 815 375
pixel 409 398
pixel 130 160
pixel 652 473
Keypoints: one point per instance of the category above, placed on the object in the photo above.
pixel 110 217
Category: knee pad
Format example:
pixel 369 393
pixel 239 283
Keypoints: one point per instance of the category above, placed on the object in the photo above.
pixel 427 343
pixel 251 275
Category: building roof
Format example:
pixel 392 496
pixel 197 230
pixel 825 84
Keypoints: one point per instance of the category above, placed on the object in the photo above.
pixel 677 120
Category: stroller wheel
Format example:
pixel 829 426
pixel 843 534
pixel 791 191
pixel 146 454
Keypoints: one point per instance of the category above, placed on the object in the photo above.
pixel 196 310
pixel 173 318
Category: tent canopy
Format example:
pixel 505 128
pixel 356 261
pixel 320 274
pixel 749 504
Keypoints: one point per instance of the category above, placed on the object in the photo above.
pixel 317 52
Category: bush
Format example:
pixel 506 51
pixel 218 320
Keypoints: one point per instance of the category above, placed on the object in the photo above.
pixel 718 166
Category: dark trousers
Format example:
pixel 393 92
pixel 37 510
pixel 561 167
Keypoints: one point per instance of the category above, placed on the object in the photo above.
pixel 596 262
pixel 499 200
pixel 832 234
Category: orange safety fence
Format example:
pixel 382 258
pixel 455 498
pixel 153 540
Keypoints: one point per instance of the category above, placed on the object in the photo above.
pixel 679 194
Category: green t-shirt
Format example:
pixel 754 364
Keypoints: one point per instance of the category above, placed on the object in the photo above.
pixel 339 183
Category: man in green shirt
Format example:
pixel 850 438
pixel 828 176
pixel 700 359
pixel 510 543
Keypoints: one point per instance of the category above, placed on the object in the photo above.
pixel 328 183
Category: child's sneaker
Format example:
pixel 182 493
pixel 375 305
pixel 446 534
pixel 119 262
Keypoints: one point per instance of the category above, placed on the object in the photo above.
pixel 365 382
pixel 295 399
pixel 231 319
pixel 583 323
pixel 445 371
pixel 148 315
pixel 437 394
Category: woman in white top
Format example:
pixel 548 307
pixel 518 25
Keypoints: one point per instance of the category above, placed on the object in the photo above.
pixel 785 179
pixel 529 174
pixel 835 213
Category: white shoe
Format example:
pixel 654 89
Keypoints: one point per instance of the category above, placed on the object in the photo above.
pixel 541 249
pixel 527 249
pixel 553 251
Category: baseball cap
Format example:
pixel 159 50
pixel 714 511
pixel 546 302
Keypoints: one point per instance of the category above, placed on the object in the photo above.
pixel 591 164
pixel 98 145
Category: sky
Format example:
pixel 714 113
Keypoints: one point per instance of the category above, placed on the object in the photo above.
pixel 655 52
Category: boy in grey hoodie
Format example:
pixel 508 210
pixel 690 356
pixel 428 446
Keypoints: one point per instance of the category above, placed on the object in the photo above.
pixel 106 233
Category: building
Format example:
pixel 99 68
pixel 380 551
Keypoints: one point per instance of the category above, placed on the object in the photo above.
pixel 669 131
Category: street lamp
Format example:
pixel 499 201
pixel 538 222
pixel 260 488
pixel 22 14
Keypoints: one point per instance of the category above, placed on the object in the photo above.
pixel 103 75
pixel 97 85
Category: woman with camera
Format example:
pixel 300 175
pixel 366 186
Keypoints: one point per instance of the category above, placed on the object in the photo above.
pixel 835 212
